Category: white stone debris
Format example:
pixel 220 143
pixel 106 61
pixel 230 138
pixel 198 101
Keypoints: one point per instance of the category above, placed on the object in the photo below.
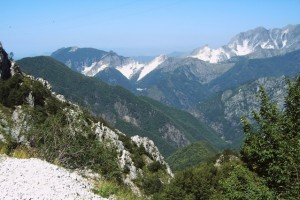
pixel 37 179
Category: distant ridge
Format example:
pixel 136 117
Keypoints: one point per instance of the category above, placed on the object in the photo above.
pixel 260 42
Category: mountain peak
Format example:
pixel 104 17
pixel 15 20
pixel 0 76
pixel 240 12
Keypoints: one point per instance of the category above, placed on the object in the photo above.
pixel 253 41
pixel 161 57
pixel 152 65
pixel 91 62
pixel 73 49
pixel 205 53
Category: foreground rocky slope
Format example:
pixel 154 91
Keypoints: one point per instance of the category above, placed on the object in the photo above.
pixel 36 122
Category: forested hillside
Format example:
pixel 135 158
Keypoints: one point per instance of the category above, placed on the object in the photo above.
pixel 167 127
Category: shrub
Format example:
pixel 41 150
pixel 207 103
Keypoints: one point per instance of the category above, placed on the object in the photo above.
pixel 23 152
pixel 193 183
pixel 155 166
pixel 3 148
pixel 244 184
pixel 107 188
pixel 151 185
pixel 138 160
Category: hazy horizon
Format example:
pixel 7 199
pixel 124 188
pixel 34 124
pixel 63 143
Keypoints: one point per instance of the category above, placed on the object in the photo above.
pixel 135 28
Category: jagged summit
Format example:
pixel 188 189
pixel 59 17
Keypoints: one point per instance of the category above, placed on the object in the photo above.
pixel 258 42
pixel 90 61
pixel 152 66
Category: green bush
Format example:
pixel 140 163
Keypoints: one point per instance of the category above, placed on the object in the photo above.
pixel 24 152
pixel 194 183
pixel 108 188
pixel 15 90
pixel 57 144
pixel 151 185
pixel 231 180
pixel 3 148
pixel 39 92
pixel 155 166
pixel 245 185
pixel 138 160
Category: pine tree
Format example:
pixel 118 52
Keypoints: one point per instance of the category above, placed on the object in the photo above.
pixel 272 145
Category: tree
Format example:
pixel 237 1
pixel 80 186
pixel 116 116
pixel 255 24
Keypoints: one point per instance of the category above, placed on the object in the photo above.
pixel 243 184
pixel 272 145
pixel 191 184
pixel 11 55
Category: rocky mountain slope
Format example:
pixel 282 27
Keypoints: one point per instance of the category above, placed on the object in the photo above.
pixel 246 69
pixel 186 83
pixel 181 82
pixel 224 111
pixel 94 62
pixel 79 58
pixel 36 122
pixel 256 43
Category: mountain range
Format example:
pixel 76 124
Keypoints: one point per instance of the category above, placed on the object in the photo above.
pixel 192 80
pixel 257 43
pixel 92 62
pixel 37 122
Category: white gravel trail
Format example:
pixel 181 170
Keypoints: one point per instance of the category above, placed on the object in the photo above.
pixel 37 179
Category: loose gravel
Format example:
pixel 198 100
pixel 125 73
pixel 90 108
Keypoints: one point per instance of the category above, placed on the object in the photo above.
pixel 37 179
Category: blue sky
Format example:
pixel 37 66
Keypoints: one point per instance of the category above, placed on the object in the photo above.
pixel 135 27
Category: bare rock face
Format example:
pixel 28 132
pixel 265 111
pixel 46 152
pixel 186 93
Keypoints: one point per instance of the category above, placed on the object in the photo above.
pixel 174 135
pixel 152 150
pixel 5 64
pixel 124 113
pixel 21 125
pixel 241 101
pixel 111 137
